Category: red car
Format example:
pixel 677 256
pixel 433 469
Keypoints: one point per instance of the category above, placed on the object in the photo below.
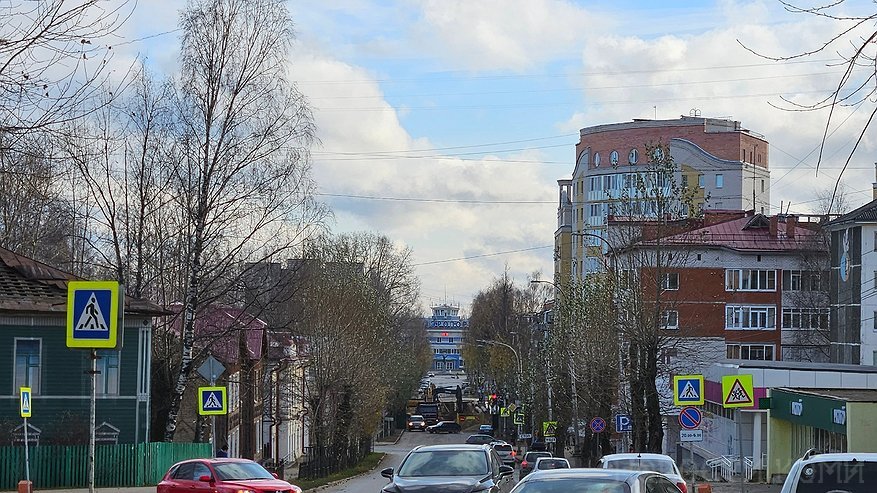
pixel 222 476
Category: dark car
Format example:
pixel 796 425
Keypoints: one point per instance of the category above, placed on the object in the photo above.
pixel 416 422
pixel 449 469
pixel 546 463
pixel 480 439
pixel 505 452
pixel 221 475
pixel 595 480
pixel 444 427
pixel 529 461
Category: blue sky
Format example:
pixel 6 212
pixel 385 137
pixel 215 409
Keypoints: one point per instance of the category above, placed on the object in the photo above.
pixel 458 116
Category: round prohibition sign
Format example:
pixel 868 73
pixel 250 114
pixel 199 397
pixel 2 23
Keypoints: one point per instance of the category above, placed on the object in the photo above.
pixel 689 417
pixel 597 425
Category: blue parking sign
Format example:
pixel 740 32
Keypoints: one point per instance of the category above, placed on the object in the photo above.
pixel 623 423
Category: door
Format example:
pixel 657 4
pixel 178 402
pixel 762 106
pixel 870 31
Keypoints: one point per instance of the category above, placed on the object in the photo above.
pixel 660 484
pixel 182 480
pixel 199 470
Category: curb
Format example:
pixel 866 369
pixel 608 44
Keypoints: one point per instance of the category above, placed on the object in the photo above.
pixel 402 432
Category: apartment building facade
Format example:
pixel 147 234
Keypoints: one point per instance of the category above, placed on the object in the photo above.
pixel 722 163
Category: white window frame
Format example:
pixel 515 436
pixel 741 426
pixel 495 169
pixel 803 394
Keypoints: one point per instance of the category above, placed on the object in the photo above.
pixel 102 379
pixel 34 386
pixel 741 317
pixel 736 278
pixel 670 319
pixel 667 283
pixel 720 180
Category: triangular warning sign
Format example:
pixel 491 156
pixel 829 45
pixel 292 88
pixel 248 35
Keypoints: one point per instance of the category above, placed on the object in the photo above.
pixel 550 430
pixel 738 394
pixel 689 392
pixel 212 403
pixel 92 318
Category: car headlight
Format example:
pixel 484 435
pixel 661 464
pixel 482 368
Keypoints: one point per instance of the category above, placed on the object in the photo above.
pixel 244 491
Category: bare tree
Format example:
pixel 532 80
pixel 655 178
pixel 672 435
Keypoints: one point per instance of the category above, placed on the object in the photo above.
pixel 243 185
pixel 53 62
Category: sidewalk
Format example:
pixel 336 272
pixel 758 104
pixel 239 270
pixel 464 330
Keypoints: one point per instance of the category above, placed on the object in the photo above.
pixel 722 487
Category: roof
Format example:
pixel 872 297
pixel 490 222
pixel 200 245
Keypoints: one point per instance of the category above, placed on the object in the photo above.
pixel 451 446
pixel 848 395
pixel 747 234
pixel 220 327
pixel 574 473
pixel 866 213
pixel 30 286
pixel 796 365
pixel 635 455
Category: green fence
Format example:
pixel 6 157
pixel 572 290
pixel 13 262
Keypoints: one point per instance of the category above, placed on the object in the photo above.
pixel 59 466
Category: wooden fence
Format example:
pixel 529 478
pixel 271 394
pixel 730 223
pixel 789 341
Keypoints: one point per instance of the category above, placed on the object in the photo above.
pixel 124 465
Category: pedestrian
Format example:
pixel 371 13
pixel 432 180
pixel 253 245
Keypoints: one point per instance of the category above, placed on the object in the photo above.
pixel 223 452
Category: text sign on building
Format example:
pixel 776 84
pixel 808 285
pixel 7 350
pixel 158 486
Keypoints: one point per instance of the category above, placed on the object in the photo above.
pixel 688 390
pixel 212 401
pixel 690 435
pixel 92 314
pixel 25 402
pixel 737 391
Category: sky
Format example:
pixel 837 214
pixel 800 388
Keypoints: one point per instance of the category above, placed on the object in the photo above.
pixel 445 124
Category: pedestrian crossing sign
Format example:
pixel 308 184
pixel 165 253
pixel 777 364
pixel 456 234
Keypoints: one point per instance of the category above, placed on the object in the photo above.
pixel 212 401
pixel 688 390
pixel 737 391
pixel 92 314
pixel 25 401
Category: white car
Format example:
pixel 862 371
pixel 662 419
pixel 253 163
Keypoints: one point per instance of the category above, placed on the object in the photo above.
pixel 548 463
pixel 660 463
pixel 851 472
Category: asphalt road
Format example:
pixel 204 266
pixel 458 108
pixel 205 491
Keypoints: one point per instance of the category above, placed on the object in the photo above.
pixel 372 482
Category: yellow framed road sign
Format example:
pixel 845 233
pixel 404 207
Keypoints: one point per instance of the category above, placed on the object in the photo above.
pixel 25 402
pixel 212 401
pixel 688 390
pixel 549 428
pixel 92 314
pixel 737 391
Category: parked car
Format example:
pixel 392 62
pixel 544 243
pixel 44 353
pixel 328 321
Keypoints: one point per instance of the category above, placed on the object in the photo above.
pixel 595 481
pixel 416 422
pixel 221 475
pixel 449 469
pixel 480 439
pixel 486 429
pixel 444 427
pixel 850 472
pixel 505 452
pixel 529 461
pixel 661 463
pixel 547 463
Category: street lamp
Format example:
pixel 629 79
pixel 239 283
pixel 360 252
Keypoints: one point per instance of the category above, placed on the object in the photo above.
pixel 517 360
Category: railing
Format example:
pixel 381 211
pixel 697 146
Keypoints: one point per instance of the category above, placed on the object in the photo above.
pixel 747 468
pixel 723 466
pixel 122 465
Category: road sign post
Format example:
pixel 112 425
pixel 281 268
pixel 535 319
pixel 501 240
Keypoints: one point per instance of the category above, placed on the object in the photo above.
pixel 93 319
pixel 26 410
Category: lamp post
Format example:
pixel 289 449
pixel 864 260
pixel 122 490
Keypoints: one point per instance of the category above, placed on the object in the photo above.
pixel 520 368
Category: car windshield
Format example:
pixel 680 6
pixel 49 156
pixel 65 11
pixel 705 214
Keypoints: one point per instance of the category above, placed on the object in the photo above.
pixel 416 418
pixel 444 463
pixel 532 456
pixel 847 477
pixel 573 485
pixel 637 464
pixel 553 464
pixel 240 470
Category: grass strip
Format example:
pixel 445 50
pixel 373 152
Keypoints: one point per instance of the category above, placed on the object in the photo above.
pixel 366 464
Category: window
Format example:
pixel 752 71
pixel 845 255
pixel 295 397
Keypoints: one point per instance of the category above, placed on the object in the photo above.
pixel 762 186
pixel 685 185
pixel 739 317
pixel 670 281
pixel 805 318
pixel 754 352
pixel 750 280
pixel 107 381
pixel 701 181
pixel 803 280
pixel 720 180
pixel 670 319
pixel 27 364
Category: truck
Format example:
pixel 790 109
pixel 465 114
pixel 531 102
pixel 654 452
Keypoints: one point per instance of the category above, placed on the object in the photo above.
pixel 429 411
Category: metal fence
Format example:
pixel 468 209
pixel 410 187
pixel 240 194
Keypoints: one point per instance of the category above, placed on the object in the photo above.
pixel 319 462
pixel 123 465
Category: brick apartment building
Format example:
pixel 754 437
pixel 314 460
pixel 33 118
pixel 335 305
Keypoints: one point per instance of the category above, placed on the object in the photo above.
pixel 742 286
pixel 726 164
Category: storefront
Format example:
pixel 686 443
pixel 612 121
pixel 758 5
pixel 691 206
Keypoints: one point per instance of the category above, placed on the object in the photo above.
pixel 827 420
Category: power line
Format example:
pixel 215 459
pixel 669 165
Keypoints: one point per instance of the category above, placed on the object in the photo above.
pixel 482 255
pixel 449 201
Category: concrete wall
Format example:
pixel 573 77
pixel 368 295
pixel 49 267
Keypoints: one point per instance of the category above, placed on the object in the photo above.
pixel 862 427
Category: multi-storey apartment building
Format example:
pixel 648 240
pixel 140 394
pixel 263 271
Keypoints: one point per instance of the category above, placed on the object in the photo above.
pixel 446 330
pixel 724 164
pixel 742 286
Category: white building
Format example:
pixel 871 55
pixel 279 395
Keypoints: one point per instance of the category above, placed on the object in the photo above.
pixel 446 331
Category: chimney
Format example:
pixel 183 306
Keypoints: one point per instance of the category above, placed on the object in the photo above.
pixel 791 223
pixel 773 226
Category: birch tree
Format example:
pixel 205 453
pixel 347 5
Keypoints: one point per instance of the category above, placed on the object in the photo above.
pixel 242 184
